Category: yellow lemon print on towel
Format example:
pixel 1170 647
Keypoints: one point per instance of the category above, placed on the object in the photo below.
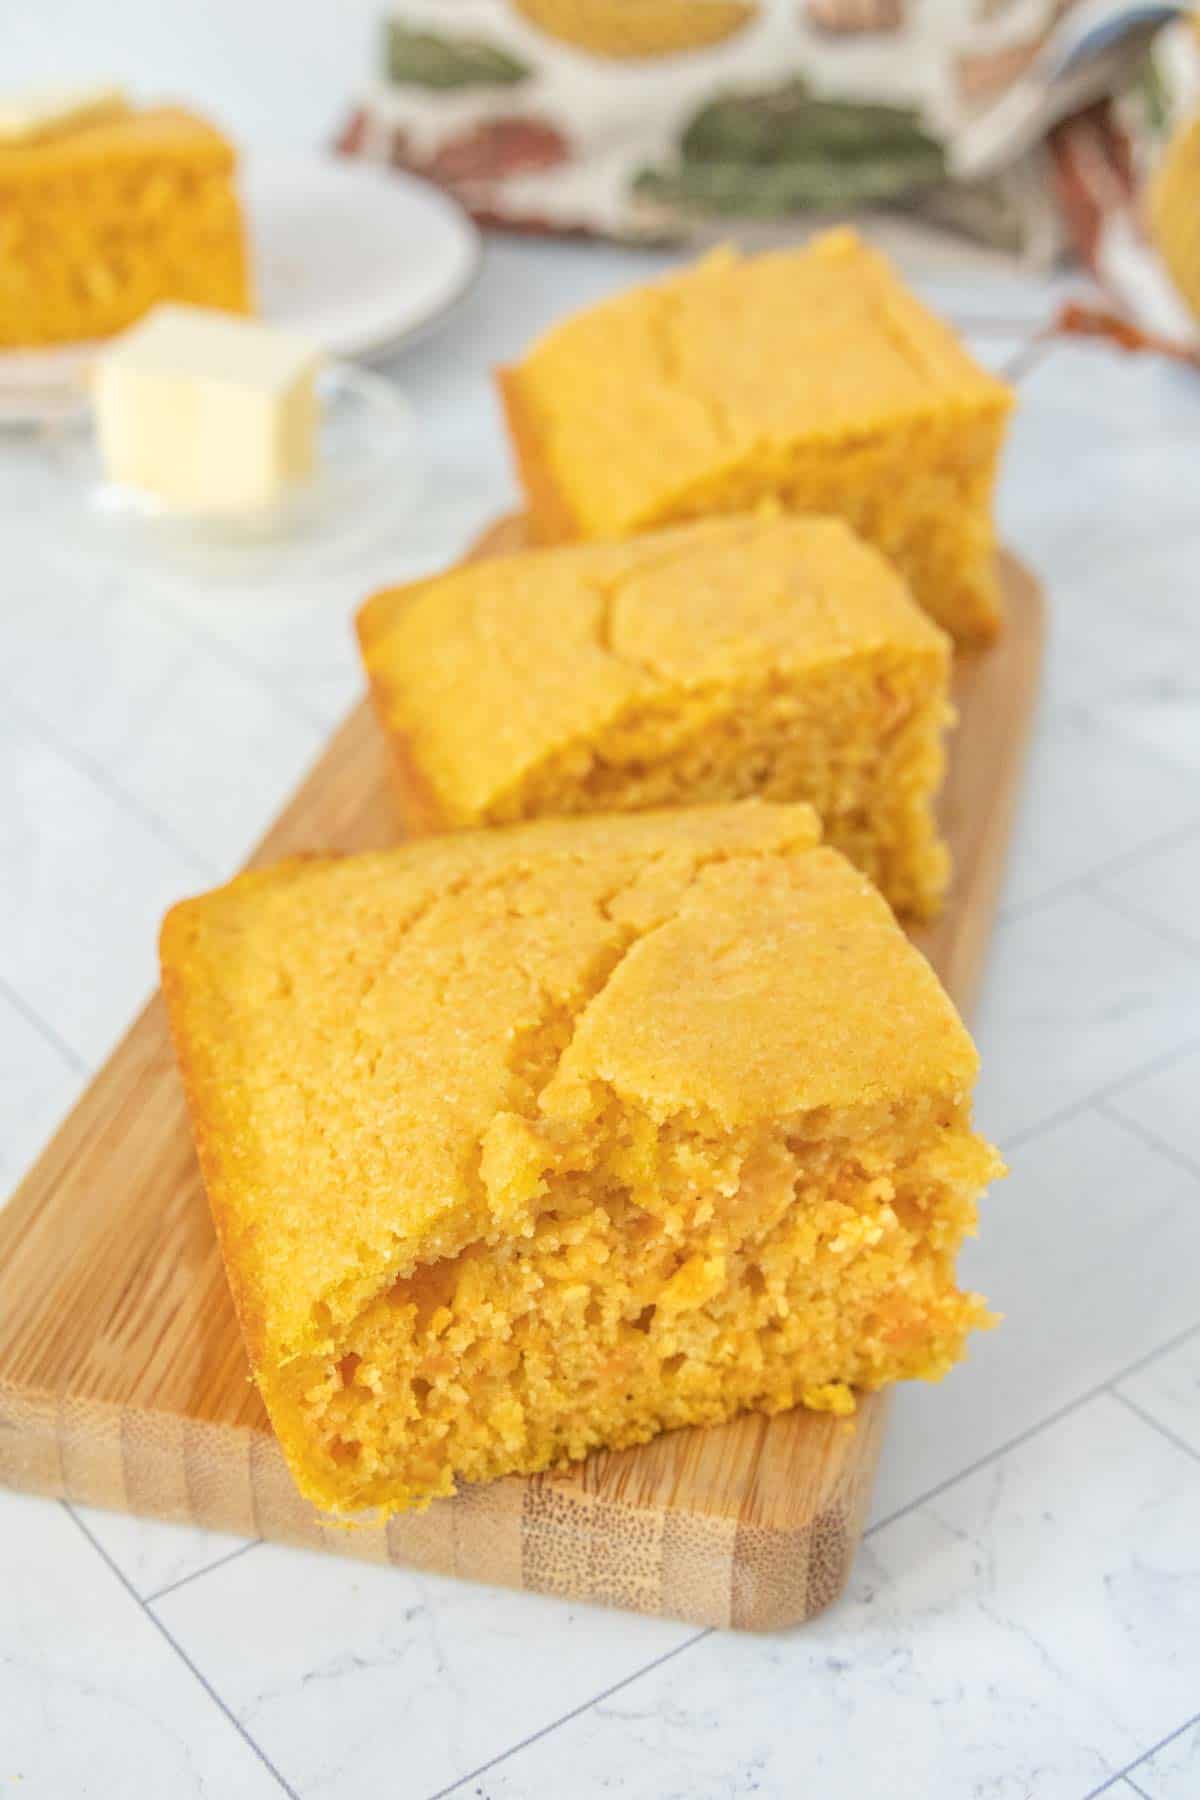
pixel 638 28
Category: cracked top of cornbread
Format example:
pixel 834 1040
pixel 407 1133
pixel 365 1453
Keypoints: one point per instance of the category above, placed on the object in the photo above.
pixel 492 669
pixel 381 1051
pixel 651 394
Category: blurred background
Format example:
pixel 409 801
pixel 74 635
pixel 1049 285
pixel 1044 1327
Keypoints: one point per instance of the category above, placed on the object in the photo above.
pixel 274 71
pixel 1030 127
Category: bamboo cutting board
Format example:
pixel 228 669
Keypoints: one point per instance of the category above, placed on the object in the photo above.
pixel 123 1382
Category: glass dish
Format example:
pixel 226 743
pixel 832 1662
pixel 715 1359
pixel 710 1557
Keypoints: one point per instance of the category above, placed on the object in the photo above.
pixel 367 476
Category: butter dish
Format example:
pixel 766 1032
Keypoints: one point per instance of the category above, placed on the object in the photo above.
pixel 363 475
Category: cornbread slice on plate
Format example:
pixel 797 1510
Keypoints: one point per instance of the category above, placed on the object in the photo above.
pixel 813 376
pixel 101 221
pixel 772 656
pixel 528 1141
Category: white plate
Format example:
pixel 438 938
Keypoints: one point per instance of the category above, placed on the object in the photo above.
pixel 358 258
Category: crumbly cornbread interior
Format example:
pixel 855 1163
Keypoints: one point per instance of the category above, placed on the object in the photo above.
pixel 775 656
pixel 528 1141
pixel 100 224
pixel 812 376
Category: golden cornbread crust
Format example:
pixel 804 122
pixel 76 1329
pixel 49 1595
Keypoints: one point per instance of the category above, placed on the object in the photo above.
pixel 527 1141
pixel 551 520
pixel 419 807
pixel 102 223
pixel 769 656
pixel 812 377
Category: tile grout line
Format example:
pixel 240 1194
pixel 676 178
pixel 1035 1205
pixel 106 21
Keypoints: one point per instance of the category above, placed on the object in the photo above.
pixel 218 1562
pixel 195 635
pixel 1166 933
pixel 1144 1756
pixel 1146 1136
pixel 982 1462
pixel 184 1658
pixel 1148 1418
pixel 1156 1065
pixel 1077 884
pixel 1029 1134
pixel 46 1032
pixel 1107 1386
pixel 249 668
pixel 1165 840
pixel 1129 686
pixel 575 1712
pixel 1165 1349
pixel 100 777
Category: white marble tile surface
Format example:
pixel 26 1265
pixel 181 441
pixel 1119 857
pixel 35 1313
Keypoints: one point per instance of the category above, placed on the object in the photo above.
pixel 216 802
pixel 89 655
pixel 40 1076
pixel 1161 713
pixel 1164 885
pixel 327 1656
pixel 1092 495
pixel 1092 798
pixel 87 878
pixel 95 1701
pixel 1079 1305
pixel 1021 1621
pixel 1172 1773
pixel 154 1556
pixel 1077 998
pixel 1164 1104
pixel 1020 1635
pixel 1167 1390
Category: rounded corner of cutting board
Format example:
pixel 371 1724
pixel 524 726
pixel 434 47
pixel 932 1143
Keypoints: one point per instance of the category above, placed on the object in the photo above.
pixel 752 1525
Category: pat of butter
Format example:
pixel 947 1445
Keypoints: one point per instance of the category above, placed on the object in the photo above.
pixel 206 411
pixel 56 111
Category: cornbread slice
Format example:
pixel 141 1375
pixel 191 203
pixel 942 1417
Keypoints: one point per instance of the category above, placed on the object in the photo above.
pixel 99 222
pixel 813 376
pixel 526 1141
pixel 779 657
pixel 1174 211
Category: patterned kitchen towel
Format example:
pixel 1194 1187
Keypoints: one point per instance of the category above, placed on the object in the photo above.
pixel 662 119
pixel 1127 177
